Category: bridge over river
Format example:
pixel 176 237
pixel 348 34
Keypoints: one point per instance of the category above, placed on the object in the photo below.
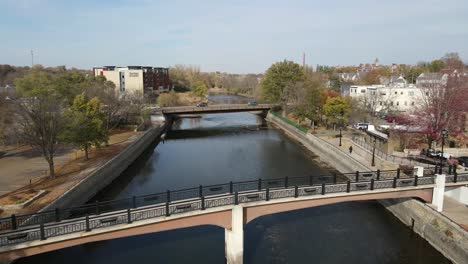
pixel 230 206
pixel 212 109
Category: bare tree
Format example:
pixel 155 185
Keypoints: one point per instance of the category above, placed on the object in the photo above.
pixel 443 107
pixel 40 122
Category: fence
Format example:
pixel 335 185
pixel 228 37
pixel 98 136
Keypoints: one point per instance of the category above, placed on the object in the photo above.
pixel 236 193
pixel 301 128
pixel 20 221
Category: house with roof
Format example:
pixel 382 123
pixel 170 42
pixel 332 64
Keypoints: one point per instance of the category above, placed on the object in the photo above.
pixel 432 78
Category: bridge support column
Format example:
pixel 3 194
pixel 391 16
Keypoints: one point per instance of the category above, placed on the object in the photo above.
pixel 234 238
pixel 438 192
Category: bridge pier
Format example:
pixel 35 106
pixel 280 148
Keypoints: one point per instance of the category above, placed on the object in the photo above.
pixel 234 238
pixel 438 192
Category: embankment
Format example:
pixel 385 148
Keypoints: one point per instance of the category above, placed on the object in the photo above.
pixel 442 233
pixel 109 171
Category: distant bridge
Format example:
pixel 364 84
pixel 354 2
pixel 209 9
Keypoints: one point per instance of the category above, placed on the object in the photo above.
pixel 212 109
pixel 230 206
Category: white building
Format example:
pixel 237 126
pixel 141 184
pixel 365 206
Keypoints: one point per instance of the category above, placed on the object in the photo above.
pixel 397 95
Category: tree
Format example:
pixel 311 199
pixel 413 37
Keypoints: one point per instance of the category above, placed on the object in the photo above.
pixel 336 110
pixel 168 99
pixel 85 124
pixel 279 78
pixel 436 66
pixel 452 61
pixel 443 107
pixel 199 88
pixel 40 123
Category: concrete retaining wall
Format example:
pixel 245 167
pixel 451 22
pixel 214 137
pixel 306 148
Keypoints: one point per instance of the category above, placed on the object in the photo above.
pixel 327 153
pixel 443 234
pixel 103 176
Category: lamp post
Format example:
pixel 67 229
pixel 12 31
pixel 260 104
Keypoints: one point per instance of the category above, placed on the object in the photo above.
pixel 373 153
pixel 340 138
pixel 444 134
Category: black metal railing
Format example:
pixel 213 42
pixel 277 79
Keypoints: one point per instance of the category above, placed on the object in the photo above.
pixel 260 191
pixel 98 207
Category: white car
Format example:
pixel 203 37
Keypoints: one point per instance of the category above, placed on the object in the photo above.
pixel 362 126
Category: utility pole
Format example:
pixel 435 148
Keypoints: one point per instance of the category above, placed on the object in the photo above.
pixel 32 58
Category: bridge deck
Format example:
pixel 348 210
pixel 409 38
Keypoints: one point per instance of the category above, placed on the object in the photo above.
pixel 213 109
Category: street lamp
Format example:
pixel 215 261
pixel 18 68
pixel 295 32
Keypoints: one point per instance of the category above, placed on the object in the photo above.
pixel 373 153
pixel 444 134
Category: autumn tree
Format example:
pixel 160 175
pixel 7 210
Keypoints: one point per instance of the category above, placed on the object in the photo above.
pixel 336 110
pixel 443 107
pixel 168 99
pixel 85 124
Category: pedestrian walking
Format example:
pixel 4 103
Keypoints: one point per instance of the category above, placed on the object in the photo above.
pixel 350 150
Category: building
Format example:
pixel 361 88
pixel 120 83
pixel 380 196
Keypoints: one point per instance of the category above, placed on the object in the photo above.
pixel 130 79
pixel 397 95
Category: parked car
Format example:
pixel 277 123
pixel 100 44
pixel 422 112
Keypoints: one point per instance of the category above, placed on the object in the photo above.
pixel 252 103
pixel 361 126
pixel 463 161
pixel 202 104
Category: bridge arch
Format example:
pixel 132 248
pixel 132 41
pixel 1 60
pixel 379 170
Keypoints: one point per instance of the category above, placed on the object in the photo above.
pixel 253 212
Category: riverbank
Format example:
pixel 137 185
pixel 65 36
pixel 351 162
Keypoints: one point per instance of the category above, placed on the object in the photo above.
pixel 442 233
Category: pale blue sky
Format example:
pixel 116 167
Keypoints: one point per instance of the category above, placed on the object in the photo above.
pixel 235 36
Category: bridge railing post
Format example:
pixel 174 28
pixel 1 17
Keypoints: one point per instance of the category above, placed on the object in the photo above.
pixel 236 198
pixel 200 191
pixel 88 228
pixel 267 196
pixel 394 182
pixel 167 209
pixel 357 176
pixel 348 186
pixel 416 180
pixel 259 184
pixel 398 171
pixel 129 216
pixel 378 175
pixel 42 231
pixel 334 178
pixel 96 204
pixel 372 184
pixel 323 188
pixel 13 222
pixel 296 191
pixel 231 187
pixel 203 202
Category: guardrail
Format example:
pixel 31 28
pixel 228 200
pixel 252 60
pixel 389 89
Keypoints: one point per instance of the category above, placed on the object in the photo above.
pixel 21 221
pixel 262 190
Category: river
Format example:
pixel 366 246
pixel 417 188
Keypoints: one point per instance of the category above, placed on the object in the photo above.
pixel 219 148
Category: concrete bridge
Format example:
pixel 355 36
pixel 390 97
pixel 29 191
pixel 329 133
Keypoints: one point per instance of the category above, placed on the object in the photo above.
pixel 230 209
pixel 213 109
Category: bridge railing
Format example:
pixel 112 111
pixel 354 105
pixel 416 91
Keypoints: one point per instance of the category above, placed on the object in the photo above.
pixel 94 208
pixel 130 214
pixel 21 221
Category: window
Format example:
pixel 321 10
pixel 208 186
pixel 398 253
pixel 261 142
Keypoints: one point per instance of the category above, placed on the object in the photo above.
pixel 397 103
pixel 401 92
pixel 412 103
pixel 380 103
pixel 363 91
pixel 427 93
pixel 396 92
pixel 391 103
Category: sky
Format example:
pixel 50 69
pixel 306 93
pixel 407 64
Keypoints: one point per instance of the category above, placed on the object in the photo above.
pixel 238 36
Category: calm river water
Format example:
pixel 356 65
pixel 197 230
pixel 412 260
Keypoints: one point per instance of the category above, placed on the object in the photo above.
pixel 219 148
